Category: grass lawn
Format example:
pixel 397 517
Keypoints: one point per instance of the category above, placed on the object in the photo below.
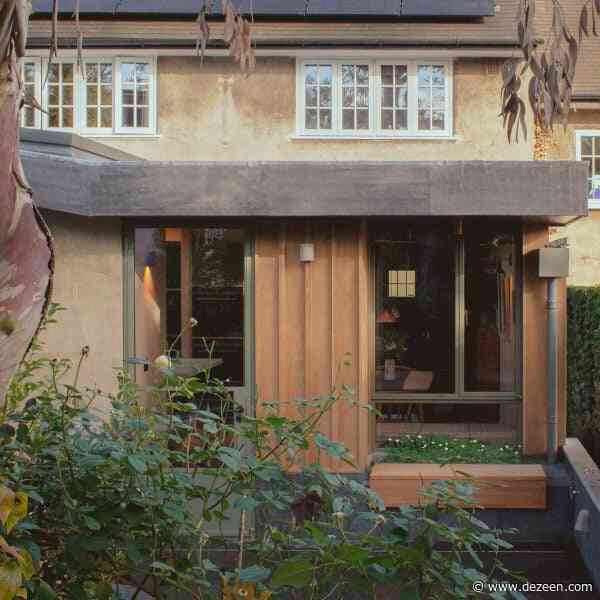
pixel 445 450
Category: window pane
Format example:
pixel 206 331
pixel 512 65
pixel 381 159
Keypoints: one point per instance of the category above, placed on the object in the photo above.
pixel 587 145
pixel 362 75
pixel 401 75
pixel 28 117
pixel 387 119
pixel 67 72
pixel 106 72
pixel 415 309
pixel 92 117
pixel 142 72
pixel 425 119
pixel 92 95
pixel 106 117
pixel 67 117
pixel 348 119
pixel 91 73
pixel 362 119
pixel 347 75
pixel 401 119
pixel 214 296
pixel 310 75
pixel 325 119
pixel 424 98
pixel 106 95
pixel 142 96
pixel 142 117
pixel 128 72
pixel 438 97
pixel 29 72
pixel 67 98
pixel 311 118
pixel 424 75
pixel 387 97
pixel 438 122
pixel 128 120
pixel 53 95
pixel 490 318
pixel 402 97
pixel 325 97
pixel 387 75
pixel 311 96
pixel 348 97
pixel 53 117
pixel 127 96
pixel 53 72
pixel 362 97
pixel 325 75
pixel 438 75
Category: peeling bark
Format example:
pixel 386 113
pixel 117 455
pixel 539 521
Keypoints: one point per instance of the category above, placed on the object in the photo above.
pixel 26 250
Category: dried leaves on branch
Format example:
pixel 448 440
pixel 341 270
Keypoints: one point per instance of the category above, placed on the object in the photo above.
pixel 550 61
pixel 237 34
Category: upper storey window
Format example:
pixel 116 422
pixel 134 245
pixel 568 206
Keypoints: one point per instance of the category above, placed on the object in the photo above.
pixel 374 99
pixel 588 150
pixel 103 97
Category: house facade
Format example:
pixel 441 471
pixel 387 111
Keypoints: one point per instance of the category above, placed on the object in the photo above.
pixel 350 213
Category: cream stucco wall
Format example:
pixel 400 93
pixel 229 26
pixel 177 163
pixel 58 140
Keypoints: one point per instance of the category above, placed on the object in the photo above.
pixel 211 111
pixel 583 234
pixel 88 283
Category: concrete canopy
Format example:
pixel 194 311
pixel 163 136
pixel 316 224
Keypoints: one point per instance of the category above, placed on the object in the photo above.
pixel 552 192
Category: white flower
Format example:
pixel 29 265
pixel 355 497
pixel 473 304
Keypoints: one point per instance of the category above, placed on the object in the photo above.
pixel 162 362
pixel 193 322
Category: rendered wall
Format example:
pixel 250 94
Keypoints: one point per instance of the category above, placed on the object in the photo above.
pixel 88 283
pixel 213 112
pixel 583 234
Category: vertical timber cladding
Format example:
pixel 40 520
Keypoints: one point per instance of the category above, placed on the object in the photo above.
pixel 535 356
pixel 309 317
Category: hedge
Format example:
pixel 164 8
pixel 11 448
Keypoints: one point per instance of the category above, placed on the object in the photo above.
pixel 583 365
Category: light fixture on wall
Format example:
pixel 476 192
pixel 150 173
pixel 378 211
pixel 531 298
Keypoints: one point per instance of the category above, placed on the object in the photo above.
pixel 307 253
pixel 151 258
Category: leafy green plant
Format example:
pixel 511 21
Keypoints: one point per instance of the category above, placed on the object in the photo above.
pixel 446 450
pixel 583 366
pixel 142 495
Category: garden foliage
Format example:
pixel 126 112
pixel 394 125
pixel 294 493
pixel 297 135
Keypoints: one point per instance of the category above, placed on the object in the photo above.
pixel 138 496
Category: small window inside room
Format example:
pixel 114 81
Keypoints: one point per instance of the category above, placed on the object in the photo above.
pixel 588 150
pixel 191 273
pixel 447 318
pixel 339 98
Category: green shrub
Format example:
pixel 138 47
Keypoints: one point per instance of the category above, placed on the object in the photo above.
pixel 583 362
pixel 118 497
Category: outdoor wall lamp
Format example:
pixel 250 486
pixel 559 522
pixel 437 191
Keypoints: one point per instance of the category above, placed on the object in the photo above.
pixel 151 259
pixel 307 253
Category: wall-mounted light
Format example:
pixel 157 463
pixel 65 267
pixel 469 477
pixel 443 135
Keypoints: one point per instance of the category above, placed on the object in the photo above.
pixel 151 258
pixel 307 252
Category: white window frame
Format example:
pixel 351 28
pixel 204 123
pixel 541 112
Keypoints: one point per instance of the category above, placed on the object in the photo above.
pixel 37 114
pixel 117 106
pixel 375 130
pixel 76 103
pixel 579 133
pixel 82 98
pixel 80 101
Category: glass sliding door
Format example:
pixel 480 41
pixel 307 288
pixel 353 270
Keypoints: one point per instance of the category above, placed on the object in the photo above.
pixel 447 317
pixel 191 302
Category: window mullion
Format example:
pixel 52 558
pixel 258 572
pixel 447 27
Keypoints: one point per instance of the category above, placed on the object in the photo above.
pixel 460 317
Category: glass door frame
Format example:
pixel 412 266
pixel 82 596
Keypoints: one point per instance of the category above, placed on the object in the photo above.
pixel 459 396
pixel 246 393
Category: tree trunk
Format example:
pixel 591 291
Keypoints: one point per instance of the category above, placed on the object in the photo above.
pixel 26 251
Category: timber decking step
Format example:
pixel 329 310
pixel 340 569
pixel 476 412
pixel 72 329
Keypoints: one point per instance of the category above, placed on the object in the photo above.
pixel 500 486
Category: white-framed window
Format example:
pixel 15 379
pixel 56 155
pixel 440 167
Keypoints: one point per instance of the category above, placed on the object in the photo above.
pixel 31 79
pixel 374 98
pixel 106 96
pixel 587 148
pixel 135 91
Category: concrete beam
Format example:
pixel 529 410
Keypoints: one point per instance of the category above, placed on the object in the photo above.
pixel 541 191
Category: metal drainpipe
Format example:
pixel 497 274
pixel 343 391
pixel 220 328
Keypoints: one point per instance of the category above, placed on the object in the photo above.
pixel 552 307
